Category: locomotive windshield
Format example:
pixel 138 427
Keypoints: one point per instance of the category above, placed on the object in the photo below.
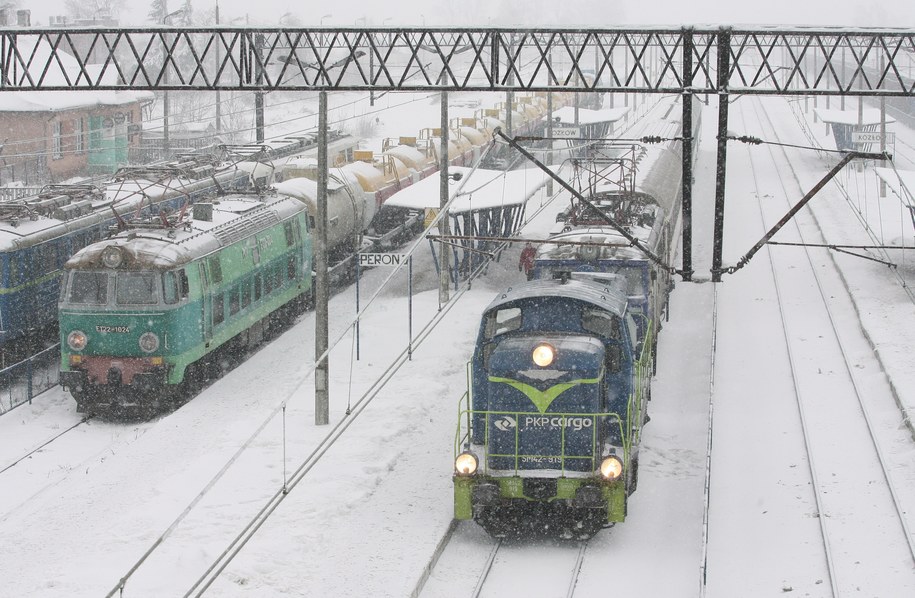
pixel 137 288
pixel 89 288
pixel 130 288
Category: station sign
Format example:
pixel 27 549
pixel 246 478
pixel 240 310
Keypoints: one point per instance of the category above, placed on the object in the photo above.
pixel 566 132
pixel 382 259
pixel 873 137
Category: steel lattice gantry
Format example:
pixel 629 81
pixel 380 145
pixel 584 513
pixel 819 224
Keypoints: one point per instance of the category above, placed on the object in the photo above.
pixel 724 61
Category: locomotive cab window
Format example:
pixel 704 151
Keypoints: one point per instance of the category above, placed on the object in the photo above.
pixel 601 323
pixel 502 321
pixel 89 288
pixel 290 234
pixel 608 327
pixel 137 288
pixel 215 270
pixel 170 292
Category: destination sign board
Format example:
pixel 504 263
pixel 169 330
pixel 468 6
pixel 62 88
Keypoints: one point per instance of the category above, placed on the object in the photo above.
pixel 382 259
pixel 566 132
pixel 872 137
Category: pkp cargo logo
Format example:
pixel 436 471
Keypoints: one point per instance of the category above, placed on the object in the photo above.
pixel 505 424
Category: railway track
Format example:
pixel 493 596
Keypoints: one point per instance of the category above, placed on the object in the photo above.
pixel 842 401
pixel 47 461
pixel 470 563
pixel 15 461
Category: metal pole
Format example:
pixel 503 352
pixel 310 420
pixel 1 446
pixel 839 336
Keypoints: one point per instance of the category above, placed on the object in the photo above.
pixel 724 66
pixel 358 272
pixel 410 308
pixel 687 182
pixel 509 100
pixel 549 137
pixel 842 81
pixel 166 108
pixel 218 99
pixel 322 369
pixel 444 223
pixel 259 93
pixel 882 129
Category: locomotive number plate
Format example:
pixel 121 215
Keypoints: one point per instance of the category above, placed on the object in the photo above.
pixel 112 328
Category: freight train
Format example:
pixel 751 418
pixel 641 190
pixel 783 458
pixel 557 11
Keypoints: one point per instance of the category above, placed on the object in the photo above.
pixel 402 160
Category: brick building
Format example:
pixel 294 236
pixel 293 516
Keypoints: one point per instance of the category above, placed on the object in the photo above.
pixel 49 136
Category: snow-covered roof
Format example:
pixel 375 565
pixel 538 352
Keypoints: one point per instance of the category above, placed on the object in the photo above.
pixel 869 116
pixel 614 245
pixel 56 101
pixel 485 189
pixel 36 52
pixel 584 290
pixel 586 116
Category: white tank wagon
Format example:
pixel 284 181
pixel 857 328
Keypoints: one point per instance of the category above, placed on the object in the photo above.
pixel 349 209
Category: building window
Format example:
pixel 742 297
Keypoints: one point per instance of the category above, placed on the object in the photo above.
pixel 79 135
pixel 57 141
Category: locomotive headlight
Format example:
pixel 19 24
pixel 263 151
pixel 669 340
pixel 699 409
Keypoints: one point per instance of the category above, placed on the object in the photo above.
pixel 465 464
pixel 543 355
pixel 77 340
pixel 111 257
pixel 149 342
pixel 611 468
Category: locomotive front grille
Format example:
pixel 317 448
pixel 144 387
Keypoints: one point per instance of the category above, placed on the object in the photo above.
pixel 539 489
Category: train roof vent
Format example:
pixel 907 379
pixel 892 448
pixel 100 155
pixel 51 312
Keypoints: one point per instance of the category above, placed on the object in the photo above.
pixel 241 228
pixel 15 212
pixel 203 211
pixel 72 210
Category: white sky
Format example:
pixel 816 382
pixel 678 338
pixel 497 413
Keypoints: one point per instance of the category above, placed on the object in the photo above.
pixel 895 13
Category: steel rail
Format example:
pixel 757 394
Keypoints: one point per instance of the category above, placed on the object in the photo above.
pixel 16 461
pixel 707 488
pixel 487 569
pixel 808 444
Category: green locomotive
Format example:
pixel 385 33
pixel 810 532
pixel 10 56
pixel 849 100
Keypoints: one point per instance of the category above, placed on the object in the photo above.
pixel 142 313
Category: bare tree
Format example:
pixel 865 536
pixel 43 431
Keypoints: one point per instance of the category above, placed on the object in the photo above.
pixel 94 9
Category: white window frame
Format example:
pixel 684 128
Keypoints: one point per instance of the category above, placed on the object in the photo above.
pixel 79 133
pixel 57 140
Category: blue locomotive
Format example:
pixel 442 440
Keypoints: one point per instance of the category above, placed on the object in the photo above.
pixel 548 434
pixel 39 233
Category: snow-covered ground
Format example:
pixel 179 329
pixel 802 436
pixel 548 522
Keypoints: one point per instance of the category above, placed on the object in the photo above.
pixel 364 521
